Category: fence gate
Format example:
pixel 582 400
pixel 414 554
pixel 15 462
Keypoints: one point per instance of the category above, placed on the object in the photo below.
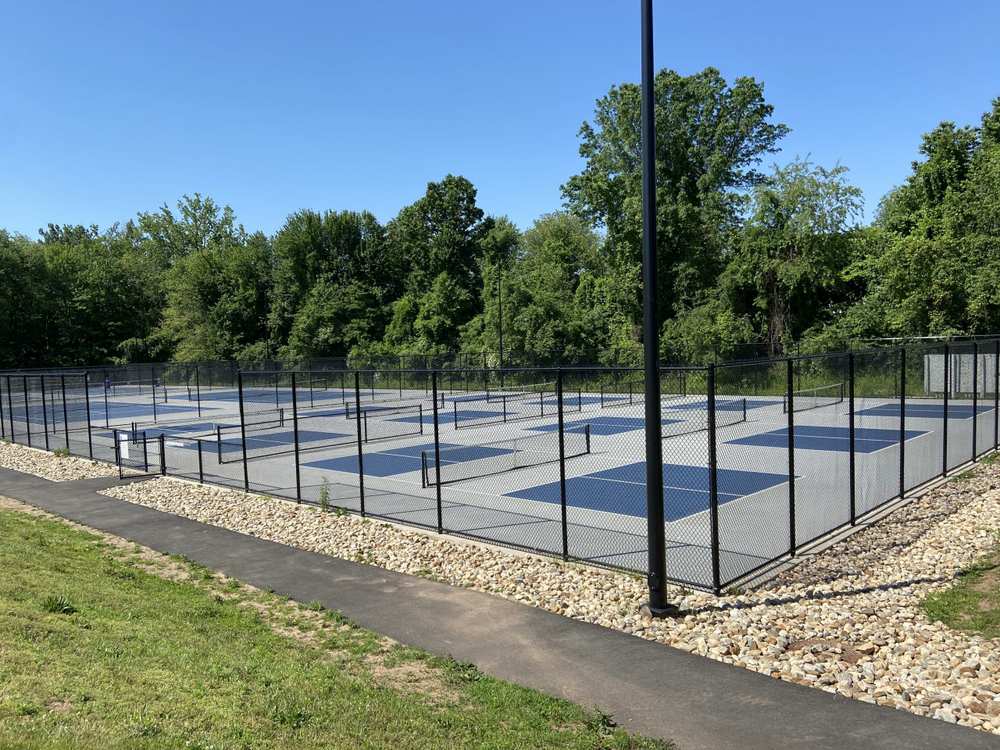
pixel 138 453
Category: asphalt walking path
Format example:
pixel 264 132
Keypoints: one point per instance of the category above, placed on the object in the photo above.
pixel 647 687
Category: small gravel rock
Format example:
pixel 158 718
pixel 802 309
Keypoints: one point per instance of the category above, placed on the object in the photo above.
pixel 50 466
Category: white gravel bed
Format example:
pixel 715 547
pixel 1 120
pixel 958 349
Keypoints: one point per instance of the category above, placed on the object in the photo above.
pixel 848 621
pixel 50 466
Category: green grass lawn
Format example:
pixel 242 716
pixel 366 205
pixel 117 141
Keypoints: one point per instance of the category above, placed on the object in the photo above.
pixel 106 646
pixel 973 603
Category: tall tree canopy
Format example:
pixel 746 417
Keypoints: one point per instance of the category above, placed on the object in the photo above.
pixel 710 139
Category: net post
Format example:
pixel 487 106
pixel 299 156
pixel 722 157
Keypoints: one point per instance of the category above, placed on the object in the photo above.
pixel 850 430
pixel 62 387
pixel 790 401
pixel 163 454
pixel 437 453
pixel 944 435
pixel 27 411
pixel 86 397
pixel 420 413
pixel 562 465
pixel 713 481
pixel 295 439
pixel 218 443
pixel 454 408
pixel 975 396
pixel 361 450
pixel 243 432
pixel 201 465
pixel 902 421
pixel 45 412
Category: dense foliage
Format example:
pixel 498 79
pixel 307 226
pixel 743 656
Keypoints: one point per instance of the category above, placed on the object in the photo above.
pixel 747 255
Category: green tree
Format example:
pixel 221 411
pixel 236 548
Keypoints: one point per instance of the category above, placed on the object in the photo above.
pixel 710 138
pixel 218 302
pixel 339 249
pixel 442 232
pixel 792 251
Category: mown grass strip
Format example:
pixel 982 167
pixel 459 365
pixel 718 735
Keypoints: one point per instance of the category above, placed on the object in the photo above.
pixel 108 647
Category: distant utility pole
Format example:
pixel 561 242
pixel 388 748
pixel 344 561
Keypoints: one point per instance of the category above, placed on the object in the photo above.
pixel 656 533
pixel 500 306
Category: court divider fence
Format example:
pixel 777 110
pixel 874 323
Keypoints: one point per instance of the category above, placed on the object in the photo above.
pixel 762 457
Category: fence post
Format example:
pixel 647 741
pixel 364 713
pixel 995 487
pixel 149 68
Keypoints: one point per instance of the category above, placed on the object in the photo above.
pixel 996 394
pixel 201 465
pixel 118 457
pixel 562 465
pixel 713 482
pixel 163 454
pixel 243 433
pixel 361 450
pixel 437 452
pixel 850 429
pixel 152 383
pixel 45 412
pixel 295 438
pixel 975 396
pixel 62 385
pixel 10 409
pixel 902 421
pixel 145 452
pixel 197 388
pixel 86 396
pixel 944 437
pixel 27 411
pixel 3 419
pixel 790 387
pixel 107 415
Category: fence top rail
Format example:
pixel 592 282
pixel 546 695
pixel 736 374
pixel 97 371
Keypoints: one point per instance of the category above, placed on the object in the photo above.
pixel 454 363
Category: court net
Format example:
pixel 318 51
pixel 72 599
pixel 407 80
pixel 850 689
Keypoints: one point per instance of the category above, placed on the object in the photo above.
pixel 815 398
pixel 525 402
pixel 684 419
pixel 462 462
pixel 633 390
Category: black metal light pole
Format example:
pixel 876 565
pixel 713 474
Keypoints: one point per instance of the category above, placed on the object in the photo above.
pixel 656 533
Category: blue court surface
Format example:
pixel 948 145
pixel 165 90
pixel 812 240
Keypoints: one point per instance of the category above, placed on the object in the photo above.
pixel 623 490
pixel 598 425
pixel 402 460
pixel 824 438
pixel 918 410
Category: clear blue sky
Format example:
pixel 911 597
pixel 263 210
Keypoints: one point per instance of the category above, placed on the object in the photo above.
pixel 107 109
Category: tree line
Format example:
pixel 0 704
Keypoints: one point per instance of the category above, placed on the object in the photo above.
pixel 748 254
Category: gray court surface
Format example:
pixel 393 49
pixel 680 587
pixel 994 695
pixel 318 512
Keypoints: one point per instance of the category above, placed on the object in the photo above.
pixel 500 475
